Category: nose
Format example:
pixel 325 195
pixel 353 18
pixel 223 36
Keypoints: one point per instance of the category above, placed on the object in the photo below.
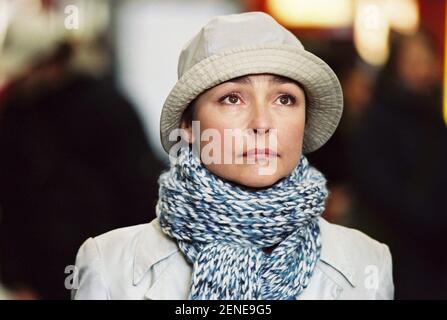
pixel 260 120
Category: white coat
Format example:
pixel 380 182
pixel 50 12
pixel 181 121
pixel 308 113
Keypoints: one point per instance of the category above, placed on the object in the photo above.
pixel 141 262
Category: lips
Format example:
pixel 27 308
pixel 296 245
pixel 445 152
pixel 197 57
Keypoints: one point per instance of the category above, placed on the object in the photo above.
pixel 260 153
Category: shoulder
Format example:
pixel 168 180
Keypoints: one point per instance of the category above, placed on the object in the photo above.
pixel 120 245
pixel 106 260
pixel 120 237
pixel 111 243
pixel 355 243
pixel 362 260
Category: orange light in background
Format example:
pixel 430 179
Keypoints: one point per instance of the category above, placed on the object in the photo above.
pixel 315 13
pixel 403 15
pixel 371 31
pixel 371 20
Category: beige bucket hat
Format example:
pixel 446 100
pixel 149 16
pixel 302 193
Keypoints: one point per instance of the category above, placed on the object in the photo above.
pixel 234 45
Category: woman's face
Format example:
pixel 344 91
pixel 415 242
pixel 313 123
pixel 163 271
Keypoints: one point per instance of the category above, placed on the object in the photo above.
pixel 251 128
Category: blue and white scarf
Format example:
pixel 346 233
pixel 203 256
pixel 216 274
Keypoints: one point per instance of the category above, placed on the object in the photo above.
pixel 222 229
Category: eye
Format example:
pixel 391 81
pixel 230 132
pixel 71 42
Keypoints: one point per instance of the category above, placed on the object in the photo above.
pixel 231 98
pixel 286 100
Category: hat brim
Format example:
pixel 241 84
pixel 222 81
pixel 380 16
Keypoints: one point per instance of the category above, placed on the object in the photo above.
pixel 324 94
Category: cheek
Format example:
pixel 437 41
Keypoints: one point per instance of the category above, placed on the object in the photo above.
pixel 212 131
pixel 290 141
pixel 291 135
pixel 211 118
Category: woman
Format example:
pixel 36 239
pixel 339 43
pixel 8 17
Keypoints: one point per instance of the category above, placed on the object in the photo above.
pixel 240 217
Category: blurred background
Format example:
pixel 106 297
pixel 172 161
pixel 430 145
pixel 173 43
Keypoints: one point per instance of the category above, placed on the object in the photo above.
pixel 82 84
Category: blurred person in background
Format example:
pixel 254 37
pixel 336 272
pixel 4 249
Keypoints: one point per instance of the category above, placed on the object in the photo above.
pixel 74 162
pixel 399 168
pixel 333 158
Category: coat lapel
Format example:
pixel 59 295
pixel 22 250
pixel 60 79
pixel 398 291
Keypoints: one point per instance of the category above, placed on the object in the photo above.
pixel 171 272
pixel 152 247
pixel 334 252
pixel 174 281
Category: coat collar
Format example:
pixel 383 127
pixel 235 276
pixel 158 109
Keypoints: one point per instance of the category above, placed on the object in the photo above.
pixel 334 251
pixel 153 245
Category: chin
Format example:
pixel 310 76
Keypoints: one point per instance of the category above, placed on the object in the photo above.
pixel 250 177
pixel 258 183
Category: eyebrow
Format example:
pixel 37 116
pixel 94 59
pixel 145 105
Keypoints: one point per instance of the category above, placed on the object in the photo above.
pixel 274 79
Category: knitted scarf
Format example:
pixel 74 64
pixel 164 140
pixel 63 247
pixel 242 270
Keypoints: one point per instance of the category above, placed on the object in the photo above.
pixel 221 228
